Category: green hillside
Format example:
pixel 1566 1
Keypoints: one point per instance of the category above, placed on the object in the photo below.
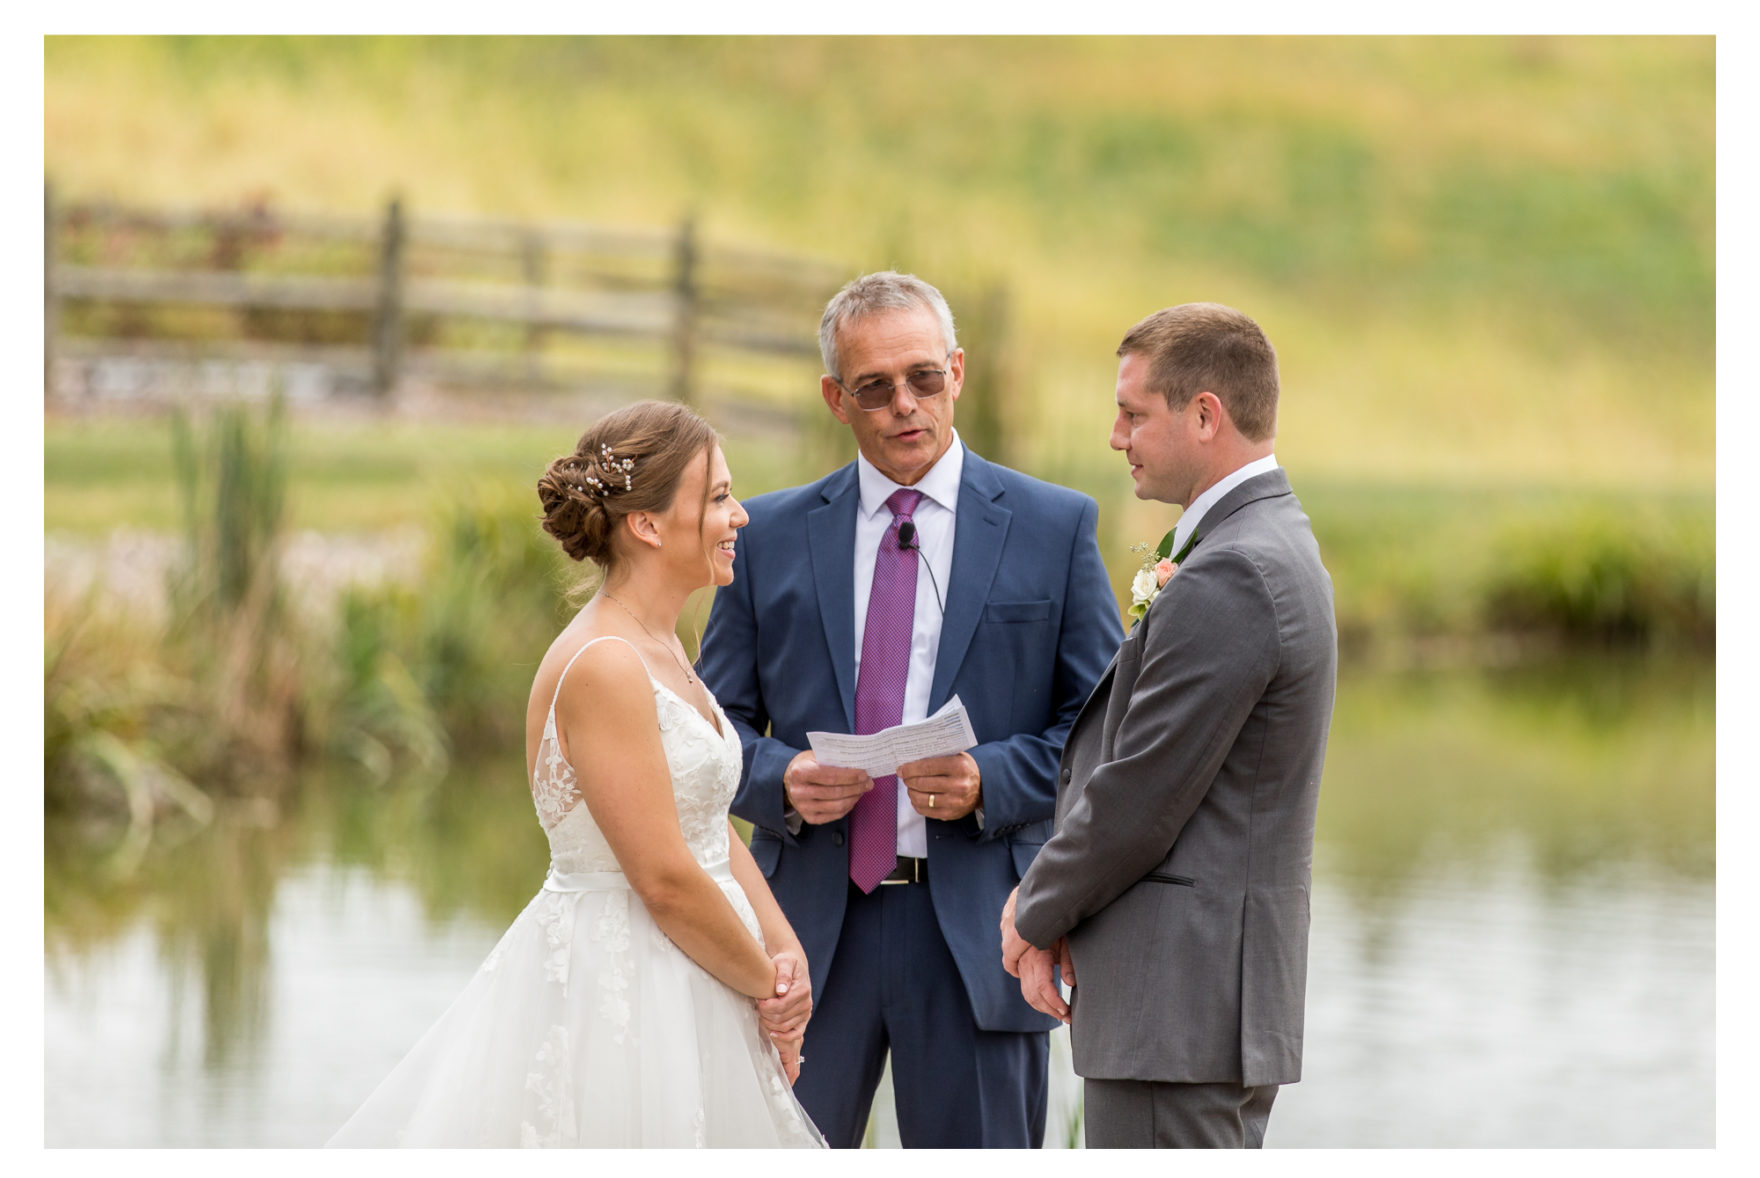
pixel 1484 262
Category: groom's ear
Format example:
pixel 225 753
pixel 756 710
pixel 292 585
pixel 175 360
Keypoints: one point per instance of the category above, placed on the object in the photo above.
pixel 1207 414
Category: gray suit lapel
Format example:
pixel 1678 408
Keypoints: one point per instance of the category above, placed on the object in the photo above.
pixel 1269 485
pixel 831 538
pixel 982 525
pixel 1262 486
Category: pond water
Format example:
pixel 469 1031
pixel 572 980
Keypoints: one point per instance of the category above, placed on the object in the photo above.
pixel 1513 932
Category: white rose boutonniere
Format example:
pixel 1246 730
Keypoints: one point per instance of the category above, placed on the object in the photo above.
pixel 1158 569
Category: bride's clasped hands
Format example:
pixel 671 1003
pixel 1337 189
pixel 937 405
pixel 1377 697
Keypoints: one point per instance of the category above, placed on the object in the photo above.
pixel 784 1017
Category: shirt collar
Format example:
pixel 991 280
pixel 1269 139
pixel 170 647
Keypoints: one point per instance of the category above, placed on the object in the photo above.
pixel 940 483
pixel 1193 515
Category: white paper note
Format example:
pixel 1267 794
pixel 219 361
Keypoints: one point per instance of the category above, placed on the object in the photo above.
pixel 947 732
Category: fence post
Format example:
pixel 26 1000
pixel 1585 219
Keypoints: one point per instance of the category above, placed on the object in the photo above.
pixel 51 307
pixel 533 266
pixel 992 382
pixel 388 321
pixel 684 336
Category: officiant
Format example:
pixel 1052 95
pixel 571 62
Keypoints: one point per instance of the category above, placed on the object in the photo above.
pixel 866 599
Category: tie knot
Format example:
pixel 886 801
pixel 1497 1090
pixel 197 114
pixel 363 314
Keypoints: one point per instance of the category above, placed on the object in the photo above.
pixel 904 501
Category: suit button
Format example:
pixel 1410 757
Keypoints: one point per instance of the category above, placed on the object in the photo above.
pixel 837 838
pixel 1065 777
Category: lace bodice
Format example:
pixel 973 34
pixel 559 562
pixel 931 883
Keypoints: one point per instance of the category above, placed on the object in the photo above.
pixel 705 767
pixel 587 1025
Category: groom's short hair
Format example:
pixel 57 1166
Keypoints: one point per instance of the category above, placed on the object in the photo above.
pixel 1207 347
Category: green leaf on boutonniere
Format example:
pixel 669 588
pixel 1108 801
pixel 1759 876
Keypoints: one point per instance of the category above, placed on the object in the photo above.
pixel 1164 549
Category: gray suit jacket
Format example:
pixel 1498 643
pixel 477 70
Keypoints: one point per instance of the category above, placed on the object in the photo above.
pixel 1180 863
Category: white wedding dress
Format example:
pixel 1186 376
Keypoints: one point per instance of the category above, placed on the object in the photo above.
pixel 586 1025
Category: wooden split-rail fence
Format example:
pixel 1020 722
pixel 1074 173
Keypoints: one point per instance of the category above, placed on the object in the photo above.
pixel 375 304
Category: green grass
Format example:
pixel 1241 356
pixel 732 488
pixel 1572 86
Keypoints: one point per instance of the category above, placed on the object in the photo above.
pixel 1479 257
pixel 1409 558
pixel 369 476
pixel 100 474
pixel 1480 260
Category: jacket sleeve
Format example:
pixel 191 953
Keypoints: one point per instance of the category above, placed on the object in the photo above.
pixel 1208 655
pixel 727 662
pixel 1018 775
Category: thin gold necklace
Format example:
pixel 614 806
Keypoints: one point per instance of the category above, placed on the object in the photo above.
pixel 688 677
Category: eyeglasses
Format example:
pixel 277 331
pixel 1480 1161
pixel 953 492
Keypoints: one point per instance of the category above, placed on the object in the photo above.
pixel 877 394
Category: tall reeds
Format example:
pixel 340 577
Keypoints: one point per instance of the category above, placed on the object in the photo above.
pixel 464 635
pixel 108 704
pixel 233 689
pixel 230 627
pixel 135 717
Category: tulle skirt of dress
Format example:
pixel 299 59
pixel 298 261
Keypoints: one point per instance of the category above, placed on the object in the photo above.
pixel 587 1026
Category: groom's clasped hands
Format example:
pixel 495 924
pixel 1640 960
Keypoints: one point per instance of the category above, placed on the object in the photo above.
pixel 1033 966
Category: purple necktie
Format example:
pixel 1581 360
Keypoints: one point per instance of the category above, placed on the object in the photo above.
pixel 886 657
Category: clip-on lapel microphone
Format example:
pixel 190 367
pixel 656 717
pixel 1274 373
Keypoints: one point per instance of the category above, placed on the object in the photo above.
pixel 907 535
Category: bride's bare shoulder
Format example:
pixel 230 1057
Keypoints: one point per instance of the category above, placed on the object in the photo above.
pixel 584 656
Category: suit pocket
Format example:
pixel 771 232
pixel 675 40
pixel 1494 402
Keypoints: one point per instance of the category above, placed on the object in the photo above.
pixel 766 850
pixel 1023 853
pixel 1184 881
pixel 1017 611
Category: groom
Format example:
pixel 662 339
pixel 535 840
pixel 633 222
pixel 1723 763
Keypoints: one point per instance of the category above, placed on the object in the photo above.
pixel 916 573
pixel 1174 891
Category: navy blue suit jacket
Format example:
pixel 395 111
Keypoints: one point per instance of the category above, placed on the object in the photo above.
pixel 1030 625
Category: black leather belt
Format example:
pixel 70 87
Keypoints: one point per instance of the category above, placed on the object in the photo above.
pixel 909 871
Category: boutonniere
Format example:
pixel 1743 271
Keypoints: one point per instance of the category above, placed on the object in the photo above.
pixel 1159 565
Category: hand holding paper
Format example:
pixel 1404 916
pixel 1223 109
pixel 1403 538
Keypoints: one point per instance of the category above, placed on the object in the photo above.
pixel 947 732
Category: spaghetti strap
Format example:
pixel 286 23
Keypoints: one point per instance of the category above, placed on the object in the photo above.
pixel 587 1025
pixel 557 694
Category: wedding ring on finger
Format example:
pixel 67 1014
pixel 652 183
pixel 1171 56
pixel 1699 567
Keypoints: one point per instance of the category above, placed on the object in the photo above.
pixel 931 801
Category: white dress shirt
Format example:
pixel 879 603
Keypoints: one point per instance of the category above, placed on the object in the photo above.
pixel 1189 519
pixel 934 517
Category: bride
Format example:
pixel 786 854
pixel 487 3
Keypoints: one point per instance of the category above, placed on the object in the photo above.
pixel 652 993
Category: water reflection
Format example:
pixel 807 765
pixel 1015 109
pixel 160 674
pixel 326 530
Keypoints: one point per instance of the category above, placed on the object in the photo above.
pixel 1488 1006
pixel 1585 762
pixel 1513 930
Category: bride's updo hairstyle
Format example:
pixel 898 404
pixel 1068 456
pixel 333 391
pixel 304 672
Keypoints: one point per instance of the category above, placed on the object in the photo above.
pixel 631 460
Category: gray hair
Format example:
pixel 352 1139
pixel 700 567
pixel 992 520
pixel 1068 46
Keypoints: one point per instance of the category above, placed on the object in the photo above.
pixel 887 290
